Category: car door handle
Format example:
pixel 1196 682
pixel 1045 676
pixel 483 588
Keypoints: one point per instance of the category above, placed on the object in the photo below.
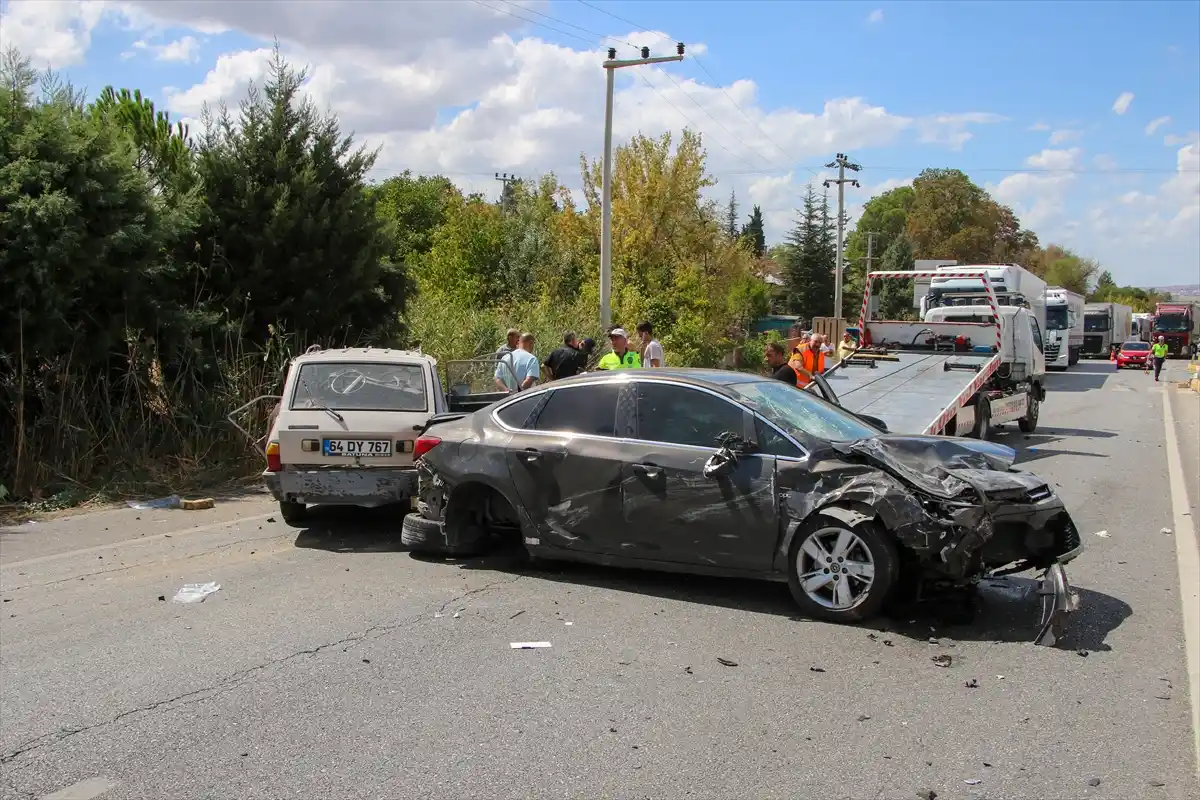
pixel 651 471
pixel 530 455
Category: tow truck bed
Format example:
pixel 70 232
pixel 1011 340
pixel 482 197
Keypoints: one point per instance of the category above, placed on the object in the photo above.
pixel 913 392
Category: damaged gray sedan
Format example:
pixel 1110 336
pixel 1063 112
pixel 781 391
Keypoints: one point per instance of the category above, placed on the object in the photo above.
pixel 724 473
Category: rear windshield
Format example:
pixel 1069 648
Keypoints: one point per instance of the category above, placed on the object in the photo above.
pixel 1135 346
pixel 350 386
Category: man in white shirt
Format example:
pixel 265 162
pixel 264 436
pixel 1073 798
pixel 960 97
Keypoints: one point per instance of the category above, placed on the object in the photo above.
pixel 519 369
pixel 652 351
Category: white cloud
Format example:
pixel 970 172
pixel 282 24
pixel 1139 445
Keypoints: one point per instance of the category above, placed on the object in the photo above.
pixel 1155 124
pixel 1064 136
pixel 181 50
pixel 53 33
pixel 875 17
pixel 1122 103
pixel 951 129
pixel 1171 140
pixel 1039 198
pixel 1039 126
pixel 1104 161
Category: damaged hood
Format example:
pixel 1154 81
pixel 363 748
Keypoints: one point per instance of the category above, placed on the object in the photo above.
pixel 945 467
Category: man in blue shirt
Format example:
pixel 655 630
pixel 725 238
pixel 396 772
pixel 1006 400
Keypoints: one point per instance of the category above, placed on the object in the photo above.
pixel 519 369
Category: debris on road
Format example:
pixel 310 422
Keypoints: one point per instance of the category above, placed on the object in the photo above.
pixel 942 660
pixel 202 504
pixel 195 592
pixel 1082 653
pixel 527 645
pixel 927 794
pixel 887 643
pixel 816 669
pixel 1166 530
pixel 162 597
pixel 727 662
pixel 519 613
pixel 972 781
pixel 688 670
pixel 863 717
pixel 972 684
pixel 1094 782
pixel 1102 534
pixel 172 501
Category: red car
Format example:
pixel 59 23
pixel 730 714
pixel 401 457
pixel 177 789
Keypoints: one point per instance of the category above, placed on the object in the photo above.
pixel 1133 354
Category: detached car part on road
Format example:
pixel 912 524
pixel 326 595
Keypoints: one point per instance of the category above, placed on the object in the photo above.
pixel 723 473
pixel 343 432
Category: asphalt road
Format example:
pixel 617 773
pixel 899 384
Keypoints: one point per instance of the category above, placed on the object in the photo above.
pixel 330 664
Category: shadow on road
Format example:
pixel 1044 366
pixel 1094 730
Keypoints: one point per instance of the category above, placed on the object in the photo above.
pixel 1082 377
pixel 998 610
pixel 338 529
pixel 1033 446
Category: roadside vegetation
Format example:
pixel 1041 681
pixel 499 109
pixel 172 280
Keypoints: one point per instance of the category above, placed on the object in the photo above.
pixel 153 278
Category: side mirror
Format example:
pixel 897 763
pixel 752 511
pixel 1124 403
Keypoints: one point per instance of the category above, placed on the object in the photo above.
pixel 720 463
pixel 874 422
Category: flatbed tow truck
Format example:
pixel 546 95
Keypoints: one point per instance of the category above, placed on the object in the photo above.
pixel 959 372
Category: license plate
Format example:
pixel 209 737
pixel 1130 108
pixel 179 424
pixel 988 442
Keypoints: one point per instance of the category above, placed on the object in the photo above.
pixel 357 448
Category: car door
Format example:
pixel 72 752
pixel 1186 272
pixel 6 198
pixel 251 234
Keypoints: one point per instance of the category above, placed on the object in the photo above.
pixel 671 511
pixel 565 460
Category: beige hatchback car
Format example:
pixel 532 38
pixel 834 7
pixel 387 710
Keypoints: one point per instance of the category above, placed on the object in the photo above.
pixel 344 428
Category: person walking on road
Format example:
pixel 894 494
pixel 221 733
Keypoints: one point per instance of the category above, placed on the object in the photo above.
pixel 621 356
pixel 519 369
pixel 1159 352
pixel 652 351
pixel 564 362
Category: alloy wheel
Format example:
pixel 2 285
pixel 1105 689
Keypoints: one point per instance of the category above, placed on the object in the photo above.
pixel 836 568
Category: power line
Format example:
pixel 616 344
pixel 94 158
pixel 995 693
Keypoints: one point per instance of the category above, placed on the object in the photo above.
pixel 602 36
pixel 717 82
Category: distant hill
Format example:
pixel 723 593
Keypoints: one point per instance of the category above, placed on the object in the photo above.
pixel 1190 290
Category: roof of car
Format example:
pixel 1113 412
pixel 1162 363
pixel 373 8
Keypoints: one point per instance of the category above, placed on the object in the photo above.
pixel 350 354
pixel 717 377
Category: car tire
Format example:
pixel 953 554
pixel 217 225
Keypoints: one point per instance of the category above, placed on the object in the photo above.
pixel 421 535
pixel 1028 423
pixel 292 513
pixel 869 538
pixel 983 419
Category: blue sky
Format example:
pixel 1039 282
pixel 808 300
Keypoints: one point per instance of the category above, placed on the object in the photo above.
pixel 1018 94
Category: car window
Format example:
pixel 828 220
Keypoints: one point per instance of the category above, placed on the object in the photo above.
pixel 681 415
pixel 772 443
pixel 1037 333
pixel 360 386
pixel 801 414
pixel 581 409
pixel 515 415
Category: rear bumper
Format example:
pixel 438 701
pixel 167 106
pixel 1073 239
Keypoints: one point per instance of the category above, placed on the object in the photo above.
pixel 346 487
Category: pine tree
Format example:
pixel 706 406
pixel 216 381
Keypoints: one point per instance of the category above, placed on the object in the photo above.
pixel 754 234
pixel 731 216
pixel 808 259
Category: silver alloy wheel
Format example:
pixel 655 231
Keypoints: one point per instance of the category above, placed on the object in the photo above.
pixel 836 569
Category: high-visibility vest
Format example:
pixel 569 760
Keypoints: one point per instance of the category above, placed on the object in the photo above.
pixel 612 361
pixel 1159 350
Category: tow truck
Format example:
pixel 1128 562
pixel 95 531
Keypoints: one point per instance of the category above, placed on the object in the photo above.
pixel 960 371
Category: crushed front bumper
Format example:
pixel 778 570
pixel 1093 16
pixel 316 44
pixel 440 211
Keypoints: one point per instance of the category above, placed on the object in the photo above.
pixel 344 487
pixel 1059 600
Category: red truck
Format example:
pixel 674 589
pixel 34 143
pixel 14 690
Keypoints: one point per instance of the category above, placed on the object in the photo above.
pixel 1176 323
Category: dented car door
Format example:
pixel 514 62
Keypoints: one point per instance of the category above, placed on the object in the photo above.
pixel 565 463
pixel 672 511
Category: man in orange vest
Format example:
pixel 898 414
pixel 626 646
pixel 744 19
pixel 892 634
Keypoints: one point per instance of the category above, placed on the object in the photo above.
pixel 808 358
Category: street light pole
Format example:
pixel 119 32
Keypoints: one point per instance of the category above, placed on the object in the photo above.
pixel 610 67
pixel 842 163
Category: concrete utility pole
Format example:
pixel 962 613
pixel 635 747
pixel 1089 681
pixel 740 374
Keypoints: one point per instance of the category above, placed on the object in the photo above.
pixel 870 247
pixel 506 179
pixel 611 66
pixel 842 163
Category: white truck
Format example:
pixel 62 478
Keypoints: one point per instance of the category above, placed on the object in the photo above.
pixel 1141 328
pixel 960 371
pixel 1064 327
pixel 1105 325
pixel 1011 285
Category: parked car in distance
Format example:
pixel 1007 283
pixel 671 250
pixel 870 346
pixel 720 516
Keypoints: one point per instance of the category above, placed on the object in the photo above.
pixel 1133 354
pixel 724 473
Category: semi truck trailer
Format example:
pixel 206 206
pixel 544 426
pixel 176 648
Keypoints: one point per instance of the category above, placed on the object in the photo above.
pixel 1105 325
pixel 1064 327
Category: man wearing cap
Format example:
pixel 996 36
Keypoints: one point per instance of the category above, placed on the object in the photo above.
pixel 1159 351
pixel 621 356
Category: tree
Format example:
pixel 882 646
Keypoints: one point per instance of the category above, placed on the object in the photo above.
pixel 808 259
pixel 731 216
pixel 952 218
pixel 292 234
pixel 896 296
pixel 754 233
pixel 1059 266
pixel 162 151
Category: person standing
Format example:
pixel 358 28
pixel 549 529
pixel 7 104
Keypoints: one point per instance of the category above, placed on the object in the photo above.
pixel 1159 351
pixel 652 351
pixel 584 355
pixel 847 347
pixel 780 368
pixel 519 369
pixel 564 362
pixel 512 340
pixel 621 356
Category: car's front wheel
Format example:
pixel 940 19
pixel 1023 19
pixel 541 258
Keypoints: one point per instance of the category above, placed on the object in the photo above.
pixel 840 572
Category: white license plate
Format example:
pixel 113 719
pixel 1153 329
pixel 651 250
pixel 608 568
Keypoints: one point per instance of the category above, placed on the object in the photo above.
pixel 357 448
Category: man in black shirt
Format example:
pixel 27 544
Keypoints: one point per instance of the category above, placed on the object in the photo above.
pixel 564 362
pixel 778 360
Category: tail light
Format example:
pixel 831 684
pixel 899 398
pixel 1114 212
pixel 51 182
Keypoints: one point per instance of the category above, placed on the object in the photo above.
pixel 424 445
pixel 274 464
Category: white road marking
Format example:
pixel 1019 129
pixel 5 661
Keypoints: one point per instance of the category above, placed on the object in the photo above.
pixel 1188 558
pixel 84 790
pixel 100 548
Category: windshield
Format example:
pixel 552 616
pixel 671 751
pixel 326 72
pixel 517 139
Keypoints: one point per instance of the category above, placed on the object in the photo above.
pixel 346 386
pixel 799 413
pixel 1135 347
pixel 1056 318
pixel 1171 323
pixel 1097 323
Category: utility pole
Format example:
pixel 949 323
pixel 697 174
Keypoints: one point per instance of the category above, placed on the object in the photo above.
pixel 505 197
pixel 842 163
pixel 610 67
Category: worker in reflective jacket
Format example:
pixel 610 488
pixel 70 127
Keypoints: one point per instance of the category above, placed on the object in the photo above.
pixel 1159 351
pixel 808 359
pixel 621 356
